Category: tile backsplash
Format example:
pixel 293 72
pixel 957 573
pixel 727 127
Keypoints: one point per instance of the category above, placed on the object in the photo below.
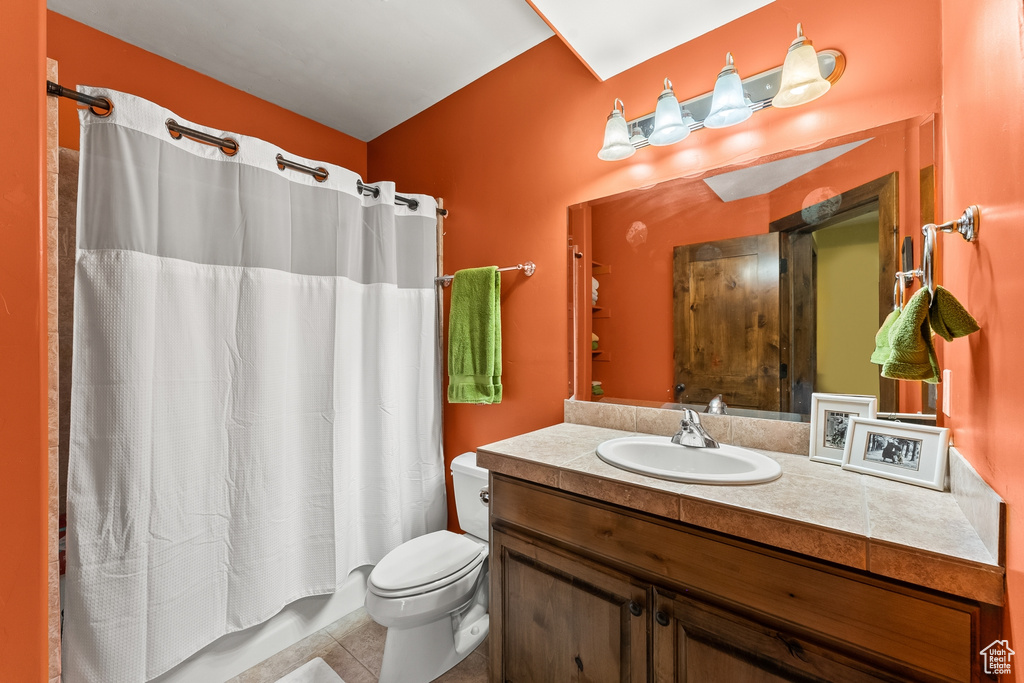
pixel 982 506
pixel 748 432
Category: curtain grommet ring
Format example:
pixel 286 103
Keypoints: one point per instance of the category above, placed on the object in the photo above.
pixel 99 112
pixel 175 135
pixel 227 149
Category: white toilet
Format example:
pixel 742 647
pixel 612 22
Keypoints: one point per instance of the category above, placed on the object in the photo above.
pixel 431 592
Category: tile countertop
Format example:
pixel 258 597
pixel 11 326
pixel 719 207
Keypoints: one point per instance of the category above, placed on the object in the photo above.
pixel 885 527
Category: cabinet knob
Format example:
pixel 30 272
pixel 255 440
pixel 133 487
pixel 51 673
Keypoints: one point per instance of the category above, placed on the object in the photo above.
pixel 635 609
pixel 661 618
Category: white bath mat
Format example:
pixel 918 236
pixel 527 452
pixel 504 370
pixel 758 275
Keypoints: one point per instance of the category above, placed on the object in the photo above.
pixel 313 671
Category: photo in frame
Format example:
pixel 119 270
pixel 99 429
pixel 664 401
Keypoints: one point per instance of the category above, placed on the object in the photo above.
pixel 910 453
pixel 830 417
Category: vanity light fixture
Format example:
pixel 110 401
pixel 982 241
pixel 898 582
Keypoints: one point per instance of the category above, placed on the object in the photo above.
pixel 728 103
pixel 805 76
pixel 670 126
pixel 801 75
pixel 616 135
pixel 637 137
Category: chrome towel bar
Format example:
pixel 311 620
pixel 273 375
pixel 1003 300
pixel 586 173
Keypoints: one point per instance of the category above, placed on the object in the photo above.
pixel 967 225
pixel 528 268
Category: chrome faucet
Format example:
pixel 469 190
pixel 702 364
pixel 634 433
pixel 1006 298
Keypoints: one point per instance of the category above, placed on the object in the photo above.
pixel 691 433
pixel 716 406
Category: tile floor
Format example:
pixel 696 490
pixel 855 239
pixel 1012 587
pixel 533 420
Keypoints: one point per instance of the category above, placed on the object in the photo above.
pixel 353 646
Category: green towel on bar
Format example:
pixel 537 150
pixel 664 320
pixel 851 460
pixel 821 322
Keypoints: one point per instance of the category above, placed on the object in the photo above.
pixel 882 350
pixel 949 318
pixel 912 354
pixel 474 337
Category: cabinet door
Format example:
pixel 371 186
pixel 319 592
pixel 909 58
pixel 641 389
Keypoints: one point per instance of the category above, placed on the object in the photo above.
pixel 561 618
pixel 697 643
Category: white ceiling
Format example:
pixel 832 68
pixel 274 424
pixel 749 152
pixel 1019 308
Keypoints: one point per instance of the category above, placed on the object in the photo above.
pixel 359 66
pixel 758 180
pixel 364 66
pixel 611 36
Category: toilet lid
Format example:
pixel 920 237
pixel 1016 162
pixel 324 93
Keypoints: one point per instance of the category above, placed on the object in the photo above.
pixel 424 559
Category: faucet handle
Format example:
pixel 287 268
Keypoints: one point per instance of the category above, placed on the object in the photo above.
pixel 691 433
pixel 690 418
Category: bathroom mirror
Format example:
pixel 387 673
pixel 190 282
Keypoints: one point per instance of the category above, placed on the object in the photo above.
pixel 764 282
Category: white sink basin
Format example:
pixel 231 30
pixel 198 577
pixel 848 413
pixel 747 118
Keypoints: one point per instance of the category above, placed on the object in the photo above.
pixel 657 456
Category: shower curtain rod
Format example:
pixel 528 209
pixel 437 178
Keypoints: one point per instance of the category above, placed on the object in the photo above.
pixel 102 107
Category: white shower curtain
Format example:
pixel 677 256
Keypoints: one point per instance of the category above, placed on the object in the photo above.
pixel 254 389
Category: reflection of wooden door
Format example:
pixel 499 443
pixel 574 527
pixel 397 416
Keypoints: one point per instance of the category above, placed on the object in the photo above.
pixel 883 194
pixel 726 323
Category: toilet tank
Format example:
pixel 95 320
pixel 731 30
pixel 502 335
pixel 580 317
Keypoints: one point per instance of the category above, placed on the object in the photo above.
pixel 468 480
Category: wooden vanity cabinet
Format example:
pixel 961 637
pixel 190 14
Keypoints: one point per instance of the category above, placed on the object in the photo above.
pixel 567 619
pixel 694 641
pixel 585 591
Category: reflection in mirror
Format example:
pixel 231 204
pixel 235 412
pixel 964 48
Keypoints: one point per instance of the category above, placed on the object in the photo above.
pixel 763 282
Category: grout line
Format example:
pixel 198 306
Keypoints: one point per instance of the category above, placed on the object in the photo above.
pixel 867 525
pixel 349 632
pixel 356 657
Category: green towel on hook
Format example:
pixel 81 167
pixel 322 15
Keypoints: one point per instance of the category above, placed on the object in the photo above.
pixel 474 337
pixel 912 355
pixel 882 350
pixel 949 318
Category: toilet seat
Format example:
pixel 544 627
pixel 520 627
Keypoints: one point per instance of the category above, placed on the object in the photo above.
pixel 432 586
pixel 420 605
pixel 424 564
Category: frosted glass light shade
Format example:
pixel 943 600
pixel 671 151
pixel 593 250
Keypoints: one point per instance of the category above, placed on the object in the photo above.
pixel 728 105
pixel 616 137
pixel 801 75
pixel 669 127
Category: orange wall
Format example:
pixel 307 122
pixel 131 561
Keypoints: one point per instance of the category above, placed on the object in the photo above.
pixel 983 139
pixel 23 355
pixel 512 150
pixel 89 57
